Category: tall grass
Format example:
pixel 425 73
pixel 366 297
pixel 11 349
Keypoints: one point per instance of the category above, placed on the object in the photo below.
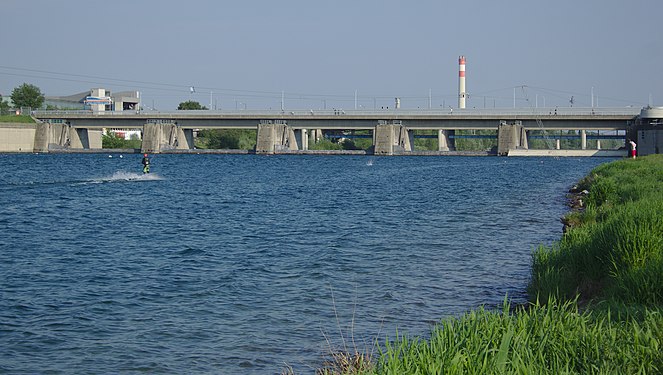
pixel 616 252
pixel 550 339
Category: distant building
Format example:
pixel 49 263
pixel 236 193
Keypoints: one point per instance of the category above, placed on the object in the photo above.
pixel 7 99
pixel 98 100
pixel 648 131
pixel 101 100
pixel 126 133
pixel 5 104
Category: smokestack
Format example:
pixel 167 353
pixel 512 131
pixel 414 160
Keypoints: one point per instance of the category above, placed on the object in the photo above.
pixel 461 82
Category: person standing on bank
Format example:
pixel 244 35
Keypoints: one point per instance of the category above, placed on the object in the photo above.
pixel 146 164
pixel 633 151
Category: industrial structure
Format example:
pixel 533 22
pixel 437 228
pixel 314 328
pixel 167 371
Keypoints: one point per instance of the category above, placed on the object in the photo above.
pixel 97 100
pixel 462 94
pixel 648 131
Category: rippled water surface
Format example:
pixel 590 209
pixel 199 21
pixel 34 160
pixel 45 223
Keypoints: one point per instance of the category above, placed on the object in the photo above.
pixel 241 264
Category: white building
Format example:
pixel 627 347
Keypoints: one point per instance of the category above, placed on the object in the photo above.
pixel 98 100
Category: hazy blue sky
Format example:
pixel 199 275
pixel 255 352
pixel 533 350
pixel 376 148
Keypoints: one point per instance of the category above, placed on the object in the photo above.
pixel 319 53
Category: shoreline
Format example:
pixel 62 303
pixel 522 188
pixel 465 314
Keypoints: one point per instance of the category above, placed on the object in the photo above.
pixel 519 153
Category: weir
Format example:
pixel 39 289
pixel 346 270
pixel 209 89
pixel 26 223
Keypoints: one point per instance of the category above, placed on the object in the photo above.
pixel 393 131
pixel 273 137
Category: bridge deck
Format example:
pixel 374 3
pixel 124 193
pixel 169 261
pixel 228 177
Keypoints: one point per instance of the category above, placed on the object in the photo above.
pixel 532 118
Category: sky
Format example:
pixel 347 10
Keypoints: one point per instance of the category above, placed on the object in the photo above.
pixel 309 54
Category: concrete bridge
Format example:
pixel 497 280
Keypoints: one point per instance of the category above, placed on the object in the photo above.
pixel 393 131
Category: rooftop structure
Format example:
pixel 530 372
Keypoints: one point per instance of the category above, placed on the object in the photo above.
pixel 99 100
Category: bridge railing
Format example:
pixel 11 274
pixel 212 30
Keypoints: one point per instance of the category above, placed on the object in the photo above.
pixel 492 112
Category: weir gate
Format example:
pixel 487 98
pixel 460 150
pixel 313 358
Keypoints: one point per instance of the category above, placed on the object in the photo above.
pixel 392 131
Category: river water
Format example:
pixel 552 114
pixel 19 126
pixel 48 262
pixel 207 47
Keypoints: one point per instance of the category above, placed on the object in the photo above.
pixel 243 264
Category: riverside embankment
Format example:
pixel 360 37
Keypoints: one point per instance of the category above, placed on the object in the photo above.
pixel 596 296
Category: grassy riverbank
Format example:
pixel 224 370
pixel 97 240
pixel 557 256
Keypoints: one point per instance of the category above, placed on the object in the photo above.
pixel 597 297
pixel 19 119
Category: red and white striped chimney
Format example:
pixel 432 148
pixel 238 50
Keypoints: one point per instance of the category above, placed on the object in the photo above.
pixel 461 82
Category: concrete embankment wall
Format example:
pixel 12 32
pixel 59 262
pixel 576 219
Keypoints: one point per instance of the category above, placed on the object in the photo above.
pixel 568 153
pixel 17 137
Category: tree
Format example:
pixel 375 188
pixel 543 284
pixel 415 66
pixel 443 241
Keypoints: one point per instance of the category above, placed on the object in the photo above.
pixel 4 107
pixel 190 105
pixel 234 139
pixel 112 140
pixel 27 95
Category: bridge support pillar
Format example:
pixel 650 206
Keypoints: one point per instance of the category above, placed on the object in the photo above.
pixel 42 137
pixel 445 140
pixel 511 136
pixel 302 139
pixel 85 138
pixel 159 137
pixel 583 140
pixel 64 136
pixel 315 135
pixel 524 139
pixel 275 137
pixel 391 138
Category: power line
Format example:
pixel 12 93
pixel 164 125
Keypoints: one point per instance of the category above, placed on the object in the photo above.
pixel 180 88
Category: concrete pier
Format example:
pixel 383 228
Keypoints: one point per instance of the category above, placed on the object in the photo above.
pixel 583 139
pixel 274 137
pixel 511 136
pixel 63 136
pixel 391 138
pixel 159 137
pixel 302 139
pixel 445 140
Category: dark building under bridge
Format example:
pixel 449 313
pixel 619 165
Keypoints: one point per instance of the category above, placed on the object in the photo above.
pixel 648 131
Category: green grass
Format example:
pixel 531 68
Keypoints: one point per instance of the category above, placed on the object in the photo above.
pixel 544 339
pixel 325 144
pixel 615 250
pixel 236 139
pixel 19 119
pixel 602 285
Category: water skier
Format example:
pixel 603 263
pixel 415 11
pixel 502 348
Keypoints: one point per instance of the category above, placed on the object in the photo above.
pixel 146 164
